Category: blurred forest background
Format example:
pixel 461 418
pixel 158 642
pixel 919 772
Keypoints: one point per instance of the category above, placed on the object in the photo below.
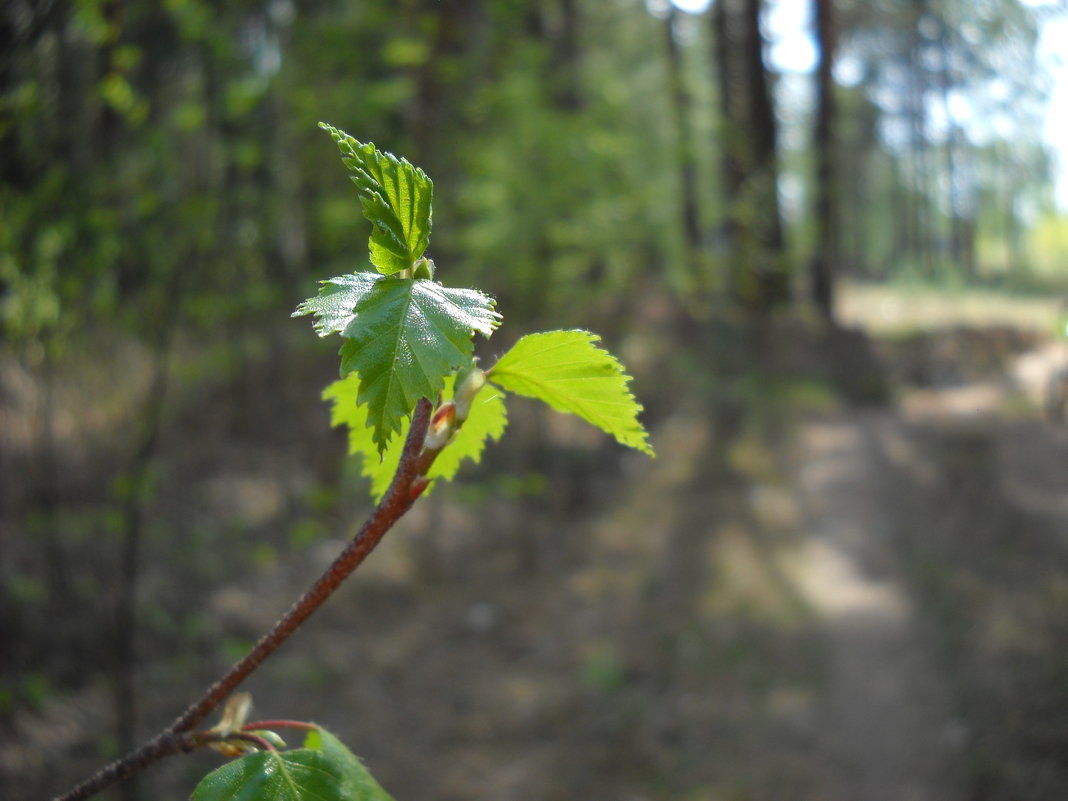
pixel 838 289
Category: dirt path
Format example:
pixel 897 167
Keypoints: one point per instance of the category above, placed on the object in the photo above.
pixel 889 720
pixel 887 724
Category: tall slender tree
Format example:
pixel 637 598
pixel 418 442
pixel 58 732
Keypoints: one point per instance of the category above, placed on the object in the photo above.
pixel 824 265
pixel 681 102
pixel 757 273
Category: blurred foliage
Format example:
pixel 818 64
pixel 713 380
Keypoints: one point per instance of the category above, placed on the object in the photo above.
pixel 165 155
pixel 164 188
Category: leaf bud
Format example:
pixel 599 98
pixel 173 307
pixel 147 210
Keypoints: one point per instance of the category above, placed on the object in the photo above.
pixel 467 387
pixel 233 748
pixel 234 715
pixel 423 268
pixel 418 487
pixel 441 427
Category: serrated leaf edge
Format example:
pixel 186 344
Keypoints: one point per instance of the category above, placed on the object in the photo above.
pixel 348 145
pixel 617 371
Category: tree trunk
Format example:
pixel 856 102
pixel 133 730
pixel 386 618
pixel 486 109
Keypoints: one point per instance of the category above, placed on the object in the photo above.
pixel 757 275
pixel 453 23
pixel 921 173
pixel 959 203
pixel 824 265
pixel 680 103
pixel 567 59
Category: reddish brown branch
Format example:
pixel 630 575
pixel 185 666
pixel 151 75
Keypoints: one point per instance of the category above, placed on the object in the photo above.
pixel 175 738
pixel 164 744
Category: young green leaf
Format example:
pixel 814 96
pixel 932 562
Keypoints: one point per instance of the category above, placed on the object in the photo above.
pixel 407 336
pixel 357 783
pixel 486 420
pixel 334 306
pixel 571 374
pixel 402 336
pixel 344 410
pixel 324 770
pixel 396 198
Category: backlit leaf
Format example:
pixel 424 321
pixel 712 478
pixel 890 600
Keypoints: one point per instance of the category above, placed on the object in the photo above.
pixel 486 420
pixel 566 370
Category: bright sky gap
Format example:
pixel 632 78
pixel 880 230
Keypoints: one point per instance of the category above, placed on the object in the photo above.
pixel 793 49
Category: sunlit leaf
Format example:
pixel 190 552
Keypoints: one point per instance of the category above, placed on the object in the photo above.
pixel 403 336
pixel 396 197
pixel 334 306
pixel 486 421
pixel 566 370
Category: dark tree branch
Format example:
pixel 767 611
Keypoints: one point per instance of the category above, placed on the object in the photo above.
pixel 408 483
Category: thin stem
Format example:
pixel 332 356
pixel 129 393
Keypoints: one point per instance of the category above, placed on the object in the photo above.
pixel 207 738
pixel 392 506
pixel 260 742
pixel 175 739
pixel 279 724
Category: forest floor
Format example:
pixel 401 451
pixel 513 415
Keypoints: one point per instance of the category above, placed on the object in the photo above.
pixel 804 597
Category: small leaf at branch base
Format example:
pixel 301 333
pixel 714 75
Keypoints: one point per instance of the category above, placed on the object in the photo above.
pixel 396 198
pixel 566 370
pixel 324 770
pixel 487 420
